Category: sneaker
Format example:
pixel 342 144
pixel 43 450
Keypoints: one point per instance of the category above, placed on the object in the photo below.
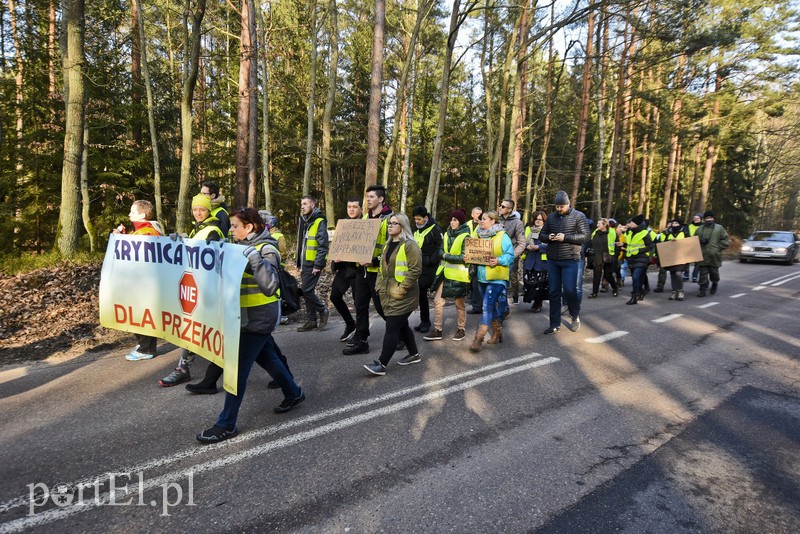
pixel 323 319
pixel 593 295
pixel 423 328
pixel 216 434
pixel 515 300
pixel 475 311
pixel 536 309
pixel 201 388
pixel 349 332
pixel 552 330
pixel 359 347
pixel 288 404
pixel 576 324
pixel 460 334
pixel 376 368
pixel 307 326
pixel 658 290
pixel 135 356
pixel 433 336
pixel 284 319
pixel 615 293
pixel 176 377
pixel 409 359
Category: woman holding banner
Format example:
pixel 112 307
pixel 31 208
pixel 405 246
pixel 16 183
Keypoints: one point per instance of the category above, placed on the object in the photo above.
pixel 493 279
pixel 260 313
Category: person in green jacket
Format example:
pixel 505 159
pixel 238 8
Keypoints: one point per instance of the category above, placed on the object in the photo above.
pixel 713 240
pixel 397 286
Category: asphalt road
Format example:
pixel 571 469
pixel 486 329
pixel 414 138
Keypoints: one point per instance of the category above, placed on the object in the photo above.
pixel 660 417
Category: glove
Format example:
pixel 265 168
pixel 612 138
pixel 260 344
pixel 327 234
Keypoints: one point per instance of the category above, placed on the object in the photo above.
pixel 248 251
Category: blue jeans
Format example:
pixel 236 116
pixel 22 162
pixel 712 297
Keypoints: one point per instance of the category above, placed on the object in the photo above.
pixel 260 349
pixel 638 279
pixel 564 278
pixel 495 301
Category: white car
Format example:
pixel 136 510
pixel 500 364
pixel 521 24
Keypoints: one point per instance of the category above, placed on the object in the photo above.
pixel 779 246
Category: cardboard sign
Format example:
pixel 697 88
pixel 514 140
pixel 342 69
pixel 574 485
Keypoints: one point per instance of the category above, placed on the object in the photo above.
pixel 478 251
pixel 185 292
pixel 679 251
pixel 354 240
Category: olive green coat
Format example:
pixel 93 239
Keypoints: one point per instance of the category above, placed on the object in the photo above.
pixel 716 240
pixel 399 298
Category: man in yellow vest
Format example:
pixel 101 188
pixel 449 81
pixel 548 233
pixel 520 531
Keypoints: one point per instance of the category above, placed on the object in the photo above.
pixel 312 257
pixel 368 273
pixel 429 239
pixel 475 291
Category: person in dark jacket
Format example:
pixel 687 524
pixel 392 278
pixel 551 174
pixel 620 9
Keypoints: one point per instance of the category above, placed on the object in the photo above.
pixel 260 312
pixel 603 243
pixel 638 248
pixel 515 230
pixel 429 239
pixel 713 240
pixel 565 231
pixel 345 279
pixel 453 278
pixel 312 257
pixel 218 207
pixel 534 268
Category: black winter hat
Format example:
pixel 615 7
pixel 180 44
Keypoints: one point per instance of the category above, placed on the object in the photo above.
pixel 709 213
pixel 638 220
pixel 562 199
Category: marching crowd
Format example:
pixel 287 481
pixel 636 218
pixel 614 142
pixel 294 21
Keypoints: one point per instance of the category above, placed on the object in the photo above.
pixel 551 253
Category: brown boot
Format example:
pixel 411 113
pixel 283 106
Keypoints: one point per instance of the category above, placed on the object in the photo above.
pixel 497 333
pixel 476 343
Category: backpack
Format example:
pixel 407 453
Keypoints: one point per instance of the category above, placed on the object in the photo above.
pixel 290 292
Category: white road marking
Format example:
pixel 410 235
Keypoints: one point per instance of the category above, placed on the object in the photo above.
pixel 606 337
pixel 759 288
pixel 60 513
pixel 787 280
pixel 708 305
pixel 195 451
pixel 768 282
pixel 666 318
pixel 738 295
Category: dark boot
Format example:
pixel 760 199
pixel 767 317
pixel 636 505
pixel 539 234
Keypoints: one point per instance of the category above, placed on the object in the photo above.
pixel 208 385
pixel 713 287
pixel 634 299
pixel 702 292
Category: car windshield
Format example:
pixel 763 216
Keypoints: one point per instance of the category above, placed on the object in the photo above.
pixel 772 236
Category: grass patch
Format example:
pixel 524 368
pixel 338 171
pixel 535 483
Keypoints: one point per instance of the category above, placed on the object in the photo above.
pixel 29 261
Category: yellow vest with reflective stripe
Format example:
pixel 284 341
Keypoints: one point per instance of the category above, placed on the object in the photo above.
pixel 612 238
pixel 311 240
pixel 454 271
pixel 500 272
pixel 401 264
pixel 419 237
pixel 473 228
pixel 379 242
pixel 277 236
pixel 636 242
pixel 207 231
pixel 250 295
pixel 527 233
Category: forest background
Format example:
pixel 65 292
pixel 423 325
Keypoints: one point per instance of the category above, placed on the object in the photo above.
pixel 661 108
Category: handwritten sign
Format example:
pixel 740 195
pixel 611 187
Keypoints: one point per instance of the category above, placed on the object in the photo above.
pixel 478 251
pixel 679 251
pixel 354 240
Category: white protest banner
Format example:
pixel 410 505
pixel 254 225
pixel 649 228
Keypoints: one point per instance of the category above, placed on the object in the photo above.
pixel 185 292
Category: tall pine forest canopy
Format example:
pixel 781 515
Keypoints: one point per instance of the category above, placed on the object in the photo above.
pixel 661 108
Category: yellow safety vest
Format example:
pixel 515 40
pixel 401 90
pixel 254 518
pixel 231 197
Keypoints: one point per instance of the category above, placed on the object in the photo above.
pixel 207 231
pixel 500 272
pixel 693 229
pixel 311 240
pixel 278 235
pixel 527 233
pixel 473 228
pixel 379 242
pixel 419 237
pixel 250 295
pixel 612 238
pixel 636 242
pixel 454 271
pixel 400 264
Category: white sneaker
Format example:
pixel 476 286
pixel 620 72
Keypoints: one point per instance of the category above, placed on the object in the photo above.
pixel 135 356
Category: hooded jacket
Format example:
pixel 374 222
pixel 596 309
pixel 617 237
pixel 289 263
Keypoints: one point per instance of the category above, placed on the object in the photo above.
pixel 399 298
pixel 220 210
pixel 713 240
pixel 432 250
pixel 515 230
pixel 575 228
pixel 303 226
pixel 263 266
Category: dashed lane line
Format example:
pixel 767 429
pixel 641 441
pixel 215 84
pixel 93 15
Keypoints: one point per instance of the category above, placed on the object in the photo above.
pixel 738 295
pixel 666 318
pixel 759 288
pixel 708 305
pixel 787 280
pixel 606 337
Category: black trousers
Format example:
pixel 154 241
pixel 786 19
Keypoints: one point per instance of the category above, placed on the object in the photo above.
pixel 365 291
pixel 425 283
pixel 344 281
pixel 397 328
pixel 147 344
pixel 606 272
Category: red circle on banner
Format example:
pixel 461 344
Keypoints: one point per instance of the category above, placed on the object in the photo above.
pixel 187 293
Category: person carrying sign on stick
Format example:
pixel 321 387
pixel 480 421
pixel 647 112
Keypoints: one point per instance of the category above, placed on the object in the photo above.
pixel 345 279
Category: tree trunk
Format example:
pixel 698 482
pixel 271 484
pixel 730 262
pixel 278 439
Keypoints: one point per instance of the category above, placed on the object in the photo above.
pixel 85 199
pixel 521 107
pixel 136 74
pixel 541 172
pixel 600 103
pixel 243 115
pixel 265 162
pixel 617 134
pixel 327 181
pixel 711 151
pixel 674 140
pixel 311 98
pixel 148 88
pixel 51 54
pixel 252 133
pixel 583 123
pixel 409 130
pixel 487 48
pixel 18 77
pixel 444 90
pixel 73 131
pixel 189 81
pixel 375 86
